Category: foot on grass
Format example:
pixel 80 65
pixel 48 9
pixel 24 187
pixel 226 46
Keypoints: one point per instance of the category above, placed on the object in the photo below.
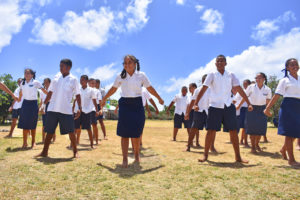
pixel 203 159
pixel 284 155
pixel 42 154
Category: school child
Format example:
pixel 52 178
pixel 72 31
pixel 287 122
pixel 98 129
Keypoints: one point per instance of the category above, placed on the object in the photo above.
pixel 29 110
pixel 89 104
pixel 7 90
pixel 289 120
pixel 199 115
pixel 182 101
pixel 242 107
pixel 92 84
pixel 15 109
pixel 99 100
pixel 44 109
pixel 131 111
pixel 221 110
pixel 61 91
pixel 259 95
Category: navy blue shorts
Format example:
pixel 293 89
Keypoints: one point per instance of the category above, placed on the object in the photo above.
pixel 242 117
pixel 28 115
pixel 199 120
pixel 85 121
pixel 289 120
pixel 66 123
pixel 77 122
pixel 238 125
pixel 16 113
pixel 179 119
pixel 131 117
pixel 256 121
pixel 100 116
pixel 218 116
pixel 44 117
pixel 93 117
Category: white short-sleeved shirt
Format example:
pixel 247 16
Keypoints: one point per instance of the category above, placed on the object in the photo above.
pixel 203 104
pixel 289 87
pixel 17 104
pixel 238 98
pixel 181 103
pixel 30 89
pixel 87 95
pixel 63 88
pixel 98 95
pixel 258 97
pixel 145 96
pixel 131 86
pixel 220 88
pixel 103 93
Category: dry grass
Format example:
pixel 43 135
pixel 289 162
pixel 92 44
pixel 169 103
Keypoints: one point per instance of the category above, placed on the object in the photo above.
pixel 166 171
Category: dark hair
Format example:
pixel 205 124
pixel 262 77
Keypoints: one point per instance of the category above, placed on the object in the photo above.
pixel 247 81
pixel 135 60
pixel 221 56
pixel 184 87
pixel 193 85
pixel 31 72
pixel 85 77
pixel 265 77
pixel 97 81
pixel 91 79
pixel 67 62
pixel 286 65
pixel 47 79
pixel 204 77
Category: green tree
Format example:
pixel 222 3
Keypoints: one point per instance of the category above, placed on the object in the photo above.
pixel 6 99
pixel 272 83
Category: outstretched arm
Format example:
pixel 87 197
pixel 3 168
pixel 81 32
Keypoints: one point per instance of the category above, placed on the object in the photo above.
pixel 271 104
pixel 154 93
pixel 111 91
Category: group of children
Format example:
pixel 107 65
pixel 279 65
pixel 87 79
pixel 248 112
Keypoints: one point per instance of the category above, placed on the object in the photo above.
pixel 219 100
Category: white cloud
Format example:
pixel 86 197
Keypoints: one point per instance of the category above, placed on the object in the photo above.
pixel 93 28
pixel 199 8
pixel 212 22
pixel 11 22
pixel 180 2
pixel 105 73
pixel 265 28
pixel 269 59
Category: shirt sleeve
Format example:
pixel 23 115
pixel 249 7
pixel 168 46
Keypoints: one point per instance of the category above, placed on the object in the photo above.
pixel 194 97
pixel 269 96
pixel 209 80
pixel 175 99
pixel 99 95
pixel 281 87
pixel 146 95
pixel 94 94
pixel 17 92
pixel 145 80
pixel 37 84
pixel 235 80
pixel 248 91
pixel 117 82
pixel 76 89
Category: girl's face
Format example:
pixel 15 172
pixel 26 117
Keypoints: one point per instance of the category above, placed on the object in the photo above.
pixel 46 83
pixel 129 65
pixel 245 84
pixel 221 63
pixel 293 67
pixel 259 79
pixel 28 76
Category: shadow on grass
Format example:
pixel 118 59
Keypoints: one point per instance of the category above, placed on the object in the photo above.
pixel 288 167
pixel 132 170
pixel 131 155
pixel 275 155
pixel 49 160
pixel 12 150
pixel 236 165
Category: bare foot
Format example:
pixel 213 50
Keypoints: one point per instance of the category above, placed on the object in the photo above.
pixel 298 147
pixel 213 150
pixel 24 146
pixel 283 153
pixel 294 163
pixel 241 142
pixel 125 164
pixel 33 145
pixel 258 149
pixel 93 147
pixel 75 155
pixel 242 161
pixel 253 151
pixel 247 145
pixel 41 155
pixel 188 149
pixel 174 139
pixel 203 159
pixel 198 145
pixel 105 138
pixel 8 136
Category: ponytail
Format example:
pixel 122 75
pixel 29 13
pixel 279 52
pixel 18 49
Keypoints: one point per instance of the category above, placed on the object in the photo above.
pixel 286 65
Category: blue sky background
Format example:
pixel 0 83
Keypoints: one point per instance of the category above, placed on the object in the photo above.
pixel 175 40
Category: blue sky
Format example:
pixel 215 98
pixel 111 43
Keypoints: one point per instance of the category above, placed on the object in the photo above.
pixel 175 40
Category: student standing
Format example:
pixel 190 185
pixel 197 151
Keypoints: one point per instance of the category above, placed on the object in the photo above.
pixel 29 110
pixel 99 100
pixel 61 91
pixel 221 110
pixel 15 109
pixel 92 84
pixel 131 111
pixel 182 101
pixel 289 120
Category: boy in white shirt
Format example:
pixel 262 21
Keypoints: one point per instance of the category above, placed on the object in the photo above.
pixel 100 117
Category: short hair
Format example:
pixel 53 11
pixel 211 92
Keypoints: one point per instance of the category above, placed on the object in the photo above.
pixel 247 81
pixel 184 87
pixel 193 85
pixel 221 56
pixel 97 81
pixel 48 79
pixel 85 77
pixel 91 79
pixel 67 62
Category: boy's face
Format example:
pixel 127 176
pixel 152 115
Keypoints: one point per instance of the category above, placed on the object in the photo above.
pixel 221 63
pixel 245 84
pixel 46 83
pixel 83 82
pixel 191 89
pixel 64 69
pixel 183 91
pixel 97 85
pixel 92 83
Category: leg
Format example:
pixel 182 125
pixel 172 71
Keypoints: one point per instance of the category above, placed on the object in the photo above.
pixel 298 144
pixel 242 136
pixel 103 128
pixel 12 127
pixel 91 138
pixel 54 137
pixel 235 143
pixel 136 147
pixel 141 140
pixel 257 139
pixel 175 131
pixel 246 139
pixel 197 139
pixel 124 145
pixel 72 137
pixel 283 152
pixel 208 141
pixel 43 135
pixel 191 138
pixel 95 132
pixel 78 133
pixel 47 143
pixel 266 139
pixel 33 131
pixel 212 146
pixel 253 149
pixel 25 134
pixel 289 147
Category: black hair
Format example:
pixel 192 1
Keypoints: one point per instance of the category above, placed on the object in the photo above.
pixel 204 77
pixel 184 87
pixel 193 85
pixel 67 62
pixel 91 79
pixel 286 65
pixel 85 77
pixel 247 81
pixel 47 79
pixel 97 81
pixel 31 72
pixel 221 56
pixel 135 60
pixel 265 77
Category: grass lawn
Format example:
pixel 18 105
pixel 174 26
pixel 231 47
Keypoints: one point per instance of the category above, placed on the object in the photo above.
pixel 166 170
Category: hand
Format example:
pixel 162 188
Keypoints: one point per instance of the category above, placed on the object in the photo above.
pixel 186 117
pixel 77 115
pixel 103 103
pixel 149 114
pixel 239 107
pixel 156 112
pixel 196 108
pixel 16 98
pixel 10 109
pixel 97 114
pixel 250 108
pixel 168 113
pixel 101 112
pixel 161 101
pixel 116 111
pixel 267 112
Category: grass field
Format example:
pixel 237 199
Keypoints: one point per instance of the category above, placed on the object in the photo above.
pixel 166 170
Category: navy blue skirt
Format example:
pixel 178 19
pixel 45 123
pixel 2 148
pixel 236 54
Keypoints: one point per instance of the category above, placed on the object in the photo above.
pixel 256 121
pixel 289 118
pixel 131 117
pixel 242 117
pixel 28 115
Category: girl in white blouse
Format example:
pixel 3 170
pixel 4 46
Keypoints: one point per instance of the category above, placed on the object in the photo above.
pixel 131 111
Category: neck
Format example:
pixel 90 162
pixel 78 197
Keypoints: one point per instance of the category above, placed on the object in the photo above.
pixel 84 86
pixel 221 71
pixel 294 75
pixel 66 74
pixel 27 80
pixel 259 86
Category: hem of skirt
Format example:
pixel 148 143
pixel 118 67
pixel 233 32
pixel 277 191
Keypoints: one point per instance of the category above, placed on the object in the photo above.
pixel 129 136
pixel 293 136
